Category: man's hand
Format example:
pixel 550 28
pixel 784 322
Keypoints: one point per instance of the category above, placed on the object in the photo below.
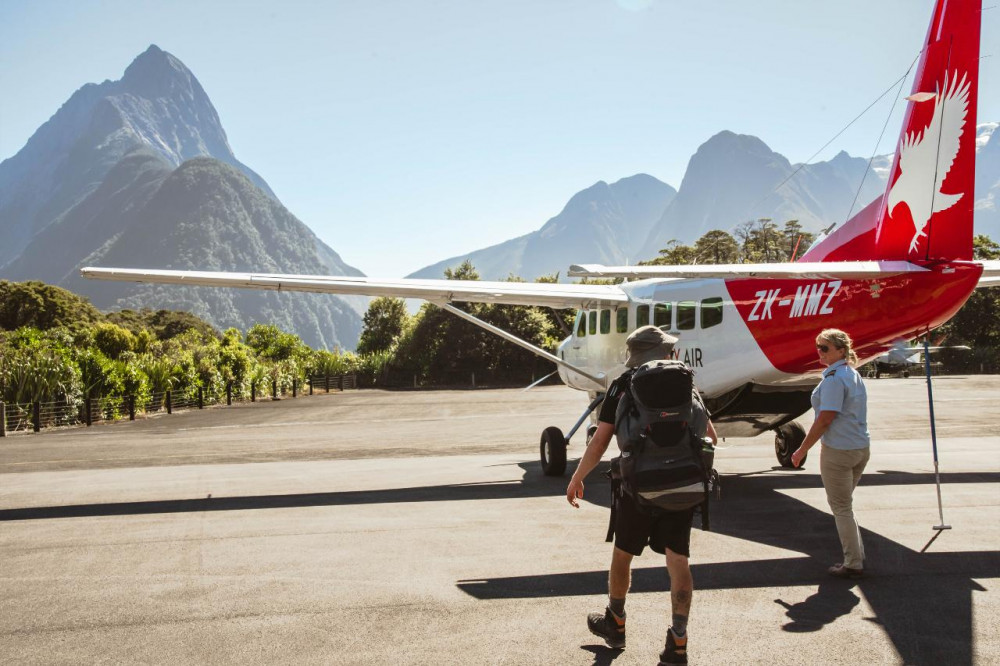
pixel 574 492
pixel 798 455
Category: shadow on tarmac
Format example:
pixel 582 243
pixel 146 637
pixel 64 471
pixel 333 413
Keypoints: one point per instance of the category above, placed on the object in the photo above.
pixel 922 600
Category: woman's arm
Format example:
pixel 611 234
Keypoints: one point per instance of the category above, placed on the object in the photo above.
pixel 819 426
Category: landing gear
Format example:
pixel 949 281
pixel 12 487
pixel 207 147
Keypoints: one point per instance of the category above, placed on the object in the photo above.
pixel 553 451
pixel 787 439
pixel 552 448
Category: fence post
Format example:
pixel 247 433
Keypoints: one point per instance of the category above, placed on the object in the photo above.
pixel 229 393
pixel 473 380
pixel 3 420
pixel 131 408
pixel 201 399
pixel 36 417
pixel 310 385
pixel 170 407
pixel 414 381
pixel 88 418
pixel 328 382
pixel 253 391
pixel 274 389
pixel 295 388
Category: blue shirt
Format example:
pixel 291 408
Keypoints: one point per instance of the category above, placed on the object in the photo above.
pixel 842 391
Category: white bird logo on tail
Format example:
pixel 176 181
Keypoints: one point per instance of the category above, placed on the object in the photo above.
pixel 926 157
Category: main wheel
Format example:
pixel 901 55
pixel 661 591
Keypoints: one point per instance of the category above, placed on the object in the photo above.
pixel 787 439
pixel 553 451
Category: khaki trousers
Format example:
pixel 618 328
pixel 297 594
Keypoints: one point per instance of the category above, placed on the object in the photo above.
pixel 841 471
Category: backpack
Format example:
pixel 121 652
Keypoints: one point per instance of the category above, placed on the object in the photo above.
pixel 661 464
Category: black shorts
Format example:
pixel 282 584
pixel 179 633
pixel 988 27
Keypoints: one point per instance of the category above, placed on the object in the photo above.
pixel 634 529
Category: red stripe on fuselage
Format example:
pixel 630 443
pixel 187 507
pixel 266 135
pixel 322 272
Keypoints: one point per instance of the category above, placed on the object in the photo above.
pixel 785 316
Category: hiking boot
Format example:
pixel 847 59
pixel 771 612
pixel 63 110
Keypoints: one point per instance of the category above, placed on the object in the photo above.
pixel 676 650
pixel 609 626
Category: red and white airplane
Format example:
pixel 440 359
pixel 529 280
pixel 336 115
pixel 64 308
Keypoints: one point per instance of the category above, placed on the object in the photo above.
pixel 895 271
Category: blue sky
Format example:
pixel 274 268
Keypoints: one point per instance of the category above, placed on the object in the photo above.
pixel 403 133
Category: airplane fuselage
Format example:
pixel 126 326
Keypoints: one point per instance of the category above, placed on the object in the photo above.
pixel 735 332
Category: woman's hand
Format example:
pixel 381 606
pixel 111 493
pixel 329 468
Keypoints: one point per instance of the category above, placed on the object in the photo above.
pixel 798 455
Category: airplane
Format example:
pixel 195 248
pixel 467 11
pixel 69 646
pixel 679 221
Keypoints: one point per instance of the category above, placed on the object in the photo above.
pixel 902 359
pixel 898 269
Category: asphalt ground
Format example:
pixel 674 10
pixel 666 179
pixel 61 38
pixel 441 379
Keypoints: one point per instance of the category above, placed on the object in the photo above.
pixel 376 527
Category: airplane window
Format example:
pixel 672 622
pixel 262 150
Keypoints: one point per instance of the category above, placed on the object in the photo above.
pixel 622 323
pixel 642 316
pixel 711 312
pixel 686 315
pixel 581 324
pixel 593 322
pixel 661 315
pixel 605 322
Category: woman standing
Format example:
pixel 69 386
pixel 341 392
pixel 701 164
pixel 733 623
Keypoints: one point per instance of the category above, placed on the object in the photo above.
pixel 840 403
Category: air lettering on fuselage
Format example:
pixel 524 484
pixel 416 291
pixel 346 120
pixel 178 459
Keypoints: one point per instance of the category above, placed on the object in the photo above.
pixel 692 357
pixel 810 299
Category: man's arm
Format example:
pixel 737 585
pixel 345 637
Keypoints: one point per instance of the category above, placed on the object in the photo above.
pixel 591 457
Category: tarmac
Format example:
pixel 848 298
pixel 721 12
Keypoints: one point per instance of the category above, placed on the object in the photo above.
pixel 415 527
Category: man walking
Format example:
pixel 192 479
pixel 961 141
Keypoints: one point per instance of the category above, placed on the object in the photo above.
pixel 668 533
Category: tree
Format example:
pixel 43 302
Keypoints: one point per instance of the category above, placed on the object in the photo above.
pixel 717 247
pixel 796 241
pixel 384 322
pixel 673 254
pixel 977 323
pixel 43 306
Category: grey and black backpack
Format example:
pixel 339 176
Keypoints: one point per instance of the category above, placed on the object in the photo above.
pixel 661 464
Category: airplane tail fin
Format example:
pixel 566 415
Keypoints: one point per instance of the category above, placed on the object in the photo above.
pixel 926 212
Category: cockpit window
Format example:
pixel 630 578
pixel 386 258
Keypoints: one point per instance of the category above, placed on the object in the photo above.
pixel 711 312
pixel 581 324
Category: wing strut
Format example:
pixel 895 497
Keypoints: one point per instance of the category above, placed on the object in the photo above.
pixel 519 342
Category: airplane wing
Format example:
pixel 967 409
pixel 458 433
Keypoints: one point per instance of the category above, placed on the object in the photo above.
pixel 816 269
pixel 990 276
pixel 436 291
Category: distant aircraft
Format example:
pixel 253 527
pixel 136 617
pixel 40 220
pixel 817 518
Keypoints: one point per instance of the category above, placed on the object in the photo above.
pixel 895 271
pixel 904 359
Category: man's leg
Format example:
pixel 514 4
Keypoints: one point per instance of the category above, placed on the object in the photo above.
pixel 681 590
pixel 619 578
pixel 610 625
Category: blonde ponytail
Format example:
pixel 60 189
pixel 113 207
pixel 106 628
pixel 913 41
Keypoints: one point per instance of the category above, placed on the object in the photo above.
pixel 840 340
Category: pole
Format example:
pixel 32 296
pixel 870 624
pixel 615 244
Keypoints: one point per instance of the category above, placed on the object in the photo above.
pixel 930 403
pixel 3 420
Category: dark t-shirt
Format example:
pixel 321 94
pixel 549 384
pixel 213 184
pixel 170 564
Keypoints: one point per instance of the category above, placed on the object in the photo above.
pixel 699 417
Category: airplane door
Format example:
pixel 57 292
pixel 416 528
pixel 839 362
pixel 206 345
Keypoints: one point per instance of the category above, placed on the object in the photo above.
pixel 577 348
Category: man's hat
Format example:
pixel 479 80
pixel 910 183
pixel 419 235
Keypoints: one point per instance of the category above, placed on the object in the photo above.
pixel 648 343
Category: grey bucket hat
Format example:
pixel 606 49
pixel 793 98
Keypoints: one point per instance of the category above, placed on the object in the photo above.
pixel 648 343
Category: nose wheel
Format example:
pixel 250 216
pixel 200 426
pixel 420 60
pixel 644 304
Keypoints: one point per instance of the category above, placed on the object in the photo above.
pixel 553 452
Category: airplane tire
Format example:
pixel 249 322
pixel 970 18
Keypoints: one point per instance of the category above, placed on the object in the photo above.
pixel 906 374
pixel 553 451
pixel 787 439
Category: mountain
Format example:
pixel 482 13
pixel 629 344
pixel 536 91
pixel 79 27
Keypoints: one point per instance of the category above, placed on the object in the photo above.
pixel 734 178
pixel 602 224
pixel 139 172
